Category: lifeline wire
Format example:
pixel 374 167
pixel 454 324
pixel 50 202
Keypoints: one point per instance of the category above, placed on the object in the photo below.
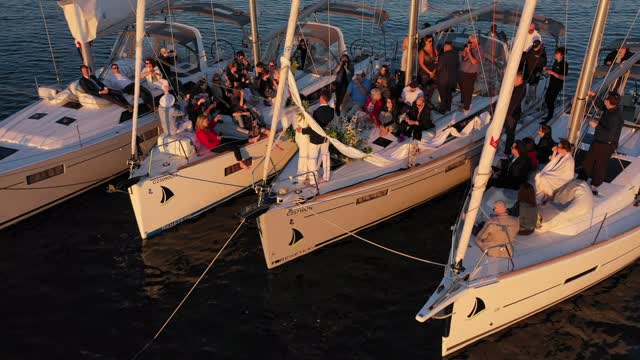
pixel 375 244
pixel 189 292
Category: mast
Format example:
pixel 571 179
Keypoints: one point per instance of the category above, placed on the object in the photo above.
pixel 413 29
pixel 284 74
pixel 492 136
pixel 588 70
pixel 255 37
pixel 138 69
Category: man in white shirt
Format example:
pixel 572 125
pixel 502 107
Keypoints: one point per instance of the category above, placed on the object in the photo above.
pixel 411 93
pixel 119 81
pixel 559 171
pixel 532 36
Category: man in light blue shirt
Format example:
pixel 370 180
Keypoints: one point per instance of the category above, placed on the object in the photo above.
pixel 358 89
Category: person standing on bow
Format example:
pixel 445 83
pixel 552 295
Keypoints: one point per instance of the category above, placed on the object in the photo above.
pixel 318 148
pixel 469 69
pixel 557 75
pixel 605 142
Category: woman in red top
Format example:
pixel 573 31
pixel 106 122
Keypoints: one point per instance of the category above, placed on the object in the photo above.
pixel 211 140
pixel 205 133
pixel 373 106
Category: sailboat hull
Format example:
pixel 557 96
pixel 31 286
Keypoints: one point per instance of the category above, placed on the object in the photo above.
pixel 288 232
pixel 485 309
pixel 28 190
pixel 169 198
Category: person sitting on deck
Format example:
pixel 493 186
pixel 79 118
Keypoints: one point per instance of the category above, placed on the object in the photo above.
pixel 120 81
pixel 90 84
pixel 357 90
pixel 373 106
pixel 559 171
pixel 516 171
pixel 390 114
pixel 152 74
pixel 211 140
pixel 256 130
pixel 500 229
pixel 411 93
pixel 545 145
pixel 531 151
pixel 417 120
pixel 525 209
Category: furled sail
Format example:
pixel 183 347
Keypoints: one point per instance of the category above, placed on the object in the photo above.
pixel 90 19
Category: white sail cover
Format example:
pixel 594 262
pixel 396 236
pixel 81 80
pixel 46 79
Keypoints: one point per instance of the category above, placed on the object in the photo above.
pixel 344 149
pixel 90 19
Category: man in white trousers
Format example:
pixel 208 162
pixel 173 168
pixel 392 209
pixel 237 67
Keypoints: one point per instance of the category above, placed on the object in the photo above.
pixel 318 148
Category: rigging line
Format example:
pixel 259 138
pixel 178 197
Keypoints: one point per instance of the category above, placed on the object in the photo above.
pixel 175 55
pixel 362 21
pixel 207 181
pixel 20 92
pixel 480 52
pixel 46 28
pixel 376 244
pixel 215 32
pixel 189 292
pixel 566 58
pixel 613 63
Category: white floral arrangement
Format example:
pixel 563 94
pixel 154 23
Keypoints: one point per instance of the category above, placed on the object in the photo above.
pixel 345 130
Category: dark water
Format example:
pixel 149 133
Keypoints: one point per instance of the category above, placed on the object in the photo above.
pixel 79 283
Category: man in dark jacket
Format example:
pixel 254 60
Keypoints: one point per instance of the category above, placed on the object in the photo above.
pixel 92 86
pixel 534 62
pixel 446 78
pixel 318 144
pixel 417 120
pixel 516 171
pixel 605 142
pixel 514 112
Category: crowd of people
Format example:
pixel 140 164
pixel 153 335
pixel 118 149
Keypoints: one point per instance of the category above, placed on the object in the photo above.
pixel 558 168
pixel 387 103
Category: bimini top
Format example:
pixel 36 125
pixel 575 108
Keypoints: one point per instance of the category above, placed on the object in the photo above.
pixel 360 11
pixel 499 16
pixel 213 10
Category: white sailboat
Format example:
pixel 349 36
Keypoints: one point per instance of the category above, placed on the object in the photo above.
pixel 582 240
pixel 68 141
pixel 179 181
pixel 302 218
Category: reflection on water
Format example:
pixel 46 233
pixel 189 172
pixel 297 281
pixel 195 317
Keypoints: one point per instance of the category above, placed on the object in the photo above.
pixel 80 283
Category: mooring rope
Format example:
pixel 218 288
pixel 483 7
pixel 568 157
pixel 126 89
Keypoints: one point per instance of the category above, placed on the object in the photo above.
pixel 376 244
pixel 146 346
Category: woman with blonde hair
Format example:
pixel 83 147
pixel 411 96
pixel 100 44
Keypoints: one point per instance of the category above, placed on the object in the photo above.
pixel 373 106
pixel 207 136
